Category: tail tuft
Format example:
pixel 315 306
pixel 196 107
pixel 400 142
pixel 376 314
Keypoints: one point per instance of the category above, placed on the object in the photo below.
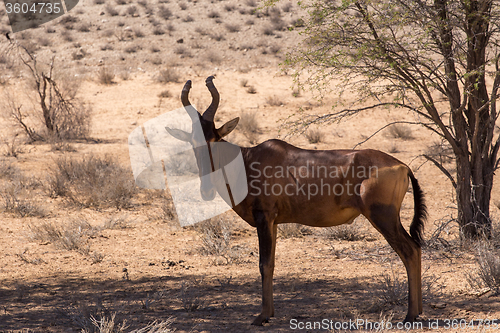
pixel 417 225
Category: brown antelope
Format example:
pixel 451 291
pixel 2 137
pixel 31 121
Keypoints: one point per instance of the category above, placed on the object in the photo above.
pixel 318 188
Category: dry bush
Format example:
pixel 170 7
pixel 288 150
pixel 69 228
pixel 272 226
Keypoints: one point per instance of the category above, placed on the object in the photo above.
pixel 158 31
pixel 213 14
pixel 251 3
pixel 111 10
pixel 99 2
pixel 314 135
pixel 7 169
pixel 488 268
pixel 164 12
pixel 183 6
pixel 71 236
pixel 290 230
pixel 13 147
pixel 213 57
pixel 132 49
pixel 287 7
pixel 348 232
pixel 168 75
pixel 441 151
pixel 394 289
pixel 18 199
pixel 251 90
pixel 244 83
pixel 105 76
pixel 274 101
pixel 217 37
pixel 268 30
pixel 165 94
pixel 249 125
pixel 393 148
pixel 183 51
pixel 401 131
pixel 215 234
pixel 84 27
pixel 232 27
pixel 190 298
pixel 92 181
pixel 63 116
pixel 131 10
pixel 229 7
pixel 138 33
pixel 188 18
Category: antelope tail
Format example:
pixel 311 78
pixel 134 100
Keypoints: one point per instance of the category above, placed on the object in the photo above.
pixel 417 225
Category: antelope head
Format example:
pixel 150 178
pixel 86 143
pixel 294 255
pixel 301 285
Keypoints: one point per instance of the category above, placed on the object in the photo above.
pixel 201 140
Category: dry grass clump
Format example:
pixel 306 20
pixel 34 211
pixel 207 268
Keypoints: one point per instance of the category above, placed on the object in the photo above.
pixel 347 232
pixel 92 181
pixel 18 192
pixel 232 27
pixel 105 76
pixel 164 12
pixel 213 14
pixel 401 131
pixel 487 274
pixel 251 90
pixel 111 10
pixel 168 75
pixel 314 135
pixel 17 197
pixel 215 236
pixel 72 236
pixel 249 125
pixel 291 230
pixel 274 101
pixel 394 289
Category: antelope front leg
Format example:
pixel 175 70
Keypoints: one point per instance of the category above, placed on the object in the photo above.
pixel 267 248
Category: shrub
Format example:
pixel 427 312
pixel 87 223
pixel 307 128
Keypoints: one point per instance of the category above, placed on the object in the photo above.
pixel 111 10
pixel 400 131
pixel 314 136
pixel 249 125
pixel 488 269
pixel 105 76
pixel 348 232
pixel 213 14
pixel 394 289
pixel 93 182
pixel 215 234
pixel 232 27
pixel 290 230
pixel 168 75
pixel 164 12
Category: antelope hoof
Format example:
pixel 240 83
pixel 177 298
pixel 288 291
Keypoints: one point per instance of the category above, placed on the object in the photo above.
pixel 410 319
pixel 261 319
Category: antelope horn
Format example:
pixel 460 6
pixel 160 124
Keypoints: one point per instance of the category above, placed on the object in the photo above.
pixel 210 112
pixel 193 114
pixel 185 93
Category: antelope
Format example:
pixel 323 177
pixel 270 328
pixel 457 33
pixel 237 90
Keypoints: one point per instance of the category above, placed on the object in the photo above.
pixel 275 164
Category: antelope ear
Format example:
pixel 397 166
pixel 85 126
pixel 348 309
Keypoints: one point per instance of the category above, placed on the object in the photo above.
pixel 179 134
pixel 228 127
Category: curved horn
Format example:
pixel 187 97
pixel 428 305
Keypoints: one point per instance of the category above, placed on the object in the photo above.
pixel 185 93
pixel 210 112
pixel 187 104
